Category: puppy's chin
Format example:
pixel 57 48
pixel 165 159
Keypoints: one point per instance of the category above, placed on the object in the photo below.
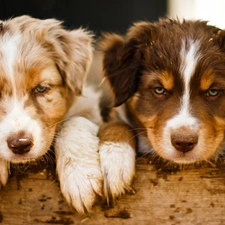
pixel 184 160
pixel 196 155
pixel 32 155
pixel 18 160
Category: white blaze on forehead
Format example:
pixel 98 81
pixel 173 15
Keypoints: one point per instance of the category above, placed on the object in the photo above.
pixel 9 49
pixel 189 57
pixel 16 114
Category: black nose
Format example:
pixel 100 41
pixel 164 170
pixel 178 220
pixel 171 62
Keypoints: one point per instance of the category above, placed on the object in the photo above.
pixel 184 143
pixel 20 142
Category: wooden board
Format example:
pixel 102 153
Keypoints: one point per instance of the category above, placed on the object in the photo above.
pixel 168 196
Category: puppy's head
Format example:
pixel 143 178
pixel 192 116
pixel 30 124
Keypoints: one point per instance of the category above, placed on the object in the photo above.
pixel 42 67
pixel 171 75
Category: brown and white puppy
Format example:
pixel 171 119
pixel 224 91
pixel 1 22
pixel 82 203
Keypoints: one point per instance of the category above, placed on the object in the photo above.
pixel 42 72
pixel 168 79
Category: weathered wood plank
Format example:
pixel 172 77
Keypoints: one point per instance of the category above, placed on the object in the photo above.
pixel 192 195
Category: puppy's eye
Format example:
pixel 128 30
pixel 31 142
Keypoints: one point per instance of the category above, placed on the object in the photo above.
pixel 160 90
pixel 212 92
pixel 40 89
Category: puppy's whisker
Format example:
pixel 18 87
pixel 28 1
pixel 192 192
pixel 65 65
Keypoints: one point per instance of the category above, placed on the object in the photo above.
pixel 21 167
pixel 147 153
pixel 210 163
pixel 136 135
pixel 50 156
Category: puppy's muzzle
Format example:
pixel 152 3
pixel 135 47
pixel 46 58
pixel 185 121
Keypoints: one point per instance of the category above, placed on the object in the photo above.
pixel 184 142
pixel 20 143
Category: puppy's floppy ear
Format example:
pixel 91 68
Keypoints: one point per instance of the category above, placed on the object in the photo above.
pixel 73 56
pixel 71 51
pixel 123 59
pixel 120 66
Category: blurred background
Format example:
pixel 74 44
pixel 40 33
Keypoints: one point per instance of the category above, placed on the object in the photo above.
pixel 97 15
pixel 210 10
pixel 114 15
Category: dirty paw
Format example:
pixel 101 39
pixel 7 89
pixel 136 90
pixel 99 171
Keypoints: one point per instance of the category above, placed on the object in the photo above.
pixel 80 186
pixel 118 168
pixel 77 161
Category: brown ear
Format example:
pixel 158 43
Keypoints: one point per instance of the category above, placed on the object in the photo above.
pixel 123 59
pixel 120 66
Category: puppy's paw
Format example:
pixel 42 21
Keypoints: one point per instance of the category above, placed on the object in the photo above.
pixel 118 168
pixel 78 163
pixel 80 185
pixel 4 172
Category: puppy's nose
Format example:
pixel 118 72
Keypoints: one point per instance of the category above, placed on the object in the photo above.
pixel 184 143
pixel 20 143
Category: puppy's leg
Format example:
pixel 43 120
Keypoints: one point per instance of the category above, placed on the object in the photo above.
pixel 4 172
pixel 117 157
pixel 77 162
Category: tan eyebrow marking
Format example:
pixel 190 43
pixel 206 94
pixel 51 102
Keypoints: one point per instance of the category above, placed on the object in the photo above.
pixel 207 79
pixel 167 80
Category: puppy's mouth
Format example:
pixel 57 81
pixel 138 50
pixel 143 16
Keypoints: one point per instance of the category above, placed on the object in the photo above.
pixel 27 157
pixel 22 158
pixel 183 160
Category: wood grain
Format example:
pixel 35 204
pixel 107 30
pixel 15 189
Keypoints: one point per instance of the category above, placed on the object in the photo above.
pixel 164 195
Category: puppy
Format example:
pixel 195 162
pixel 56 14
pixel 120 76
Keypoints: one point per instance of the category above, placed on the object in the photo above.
pixel 43 70
pixel 168 83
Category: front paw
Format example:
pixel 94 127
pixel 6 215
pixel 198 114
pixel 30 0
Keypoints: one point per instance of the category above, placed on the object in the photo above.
pixel 118 168
pixel 4 172
pixel 78 163
pixel 80 184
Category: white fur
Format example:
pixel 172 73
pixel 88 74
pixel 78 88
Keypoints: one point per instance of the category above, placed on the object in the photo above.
pixel 118 168
pixel 9 49
pixel 189 58
pixel 78 165
pixel 17 119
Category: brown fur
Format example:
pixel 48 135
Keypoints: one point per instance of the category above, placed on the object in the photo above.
pixel 148 58
pixel 109 132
